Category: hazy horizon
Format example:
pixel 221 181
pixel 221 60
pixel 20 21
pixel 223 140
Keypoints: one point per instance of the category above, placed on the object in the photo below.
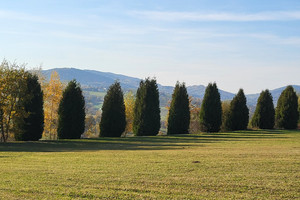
pixel 252 45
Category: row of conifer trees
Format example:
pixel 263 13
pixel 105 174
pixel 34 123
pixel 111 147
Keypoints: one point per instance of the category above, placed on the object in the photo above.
pixel 147 112
pixel 147 122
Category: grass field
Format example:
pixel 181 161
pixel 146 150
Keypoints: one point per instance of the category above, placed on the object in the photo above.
pixel 238 165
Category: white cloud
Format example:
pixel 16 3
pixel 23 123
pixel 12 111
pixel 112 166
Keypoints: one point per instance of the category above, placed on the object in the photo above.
pixel 19 16
pixel 238 17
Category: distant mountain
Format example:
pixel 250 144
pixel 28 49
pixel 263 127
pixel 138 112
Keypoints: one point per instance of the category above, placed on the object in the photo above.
pixel 102 80
pixel 252 98
pixel 94 78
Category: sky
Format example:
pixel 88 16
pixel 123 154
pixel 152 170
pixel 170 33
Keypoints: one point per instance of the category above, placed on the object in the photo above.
pixel 254 45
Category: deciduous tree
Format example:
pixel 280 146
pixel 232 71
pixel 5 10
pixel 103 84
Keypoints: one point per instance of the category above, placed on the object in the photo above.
pixel 129 101
pixel 52 96
pixel 195 105
pixel 12 92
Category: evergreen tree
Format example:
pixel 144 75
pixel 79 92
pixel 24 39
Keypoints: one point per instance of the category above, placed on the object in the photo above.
pixel 146 110
pixel 238 112
pixel 264 115
pixel 71 112
pixel 113 119
pixel 31 127
pixel 211 109
pixel 287 109
pixel 179 113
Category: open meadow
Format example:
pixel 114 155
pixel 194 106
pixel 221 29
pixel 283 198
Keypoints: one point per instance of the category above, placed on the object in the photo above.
pixel 236 165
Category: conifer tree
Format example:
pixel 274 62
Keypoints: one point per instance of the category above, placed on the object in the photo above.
pixel 179 113
pixel 264 115
pixel 71 112
pixel 31 126
pixel 211 109
pixel 238 113
pixel 146 110
pixel 287 114
pixel 113 119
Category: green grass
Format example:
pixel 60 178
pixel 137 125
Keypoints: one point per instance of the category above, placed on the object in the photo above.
pixel 238 165
pixel 98 94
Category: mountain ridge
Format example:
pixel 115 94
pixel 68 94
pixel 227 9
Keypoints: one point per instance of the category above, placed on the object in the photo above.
pixel 98 79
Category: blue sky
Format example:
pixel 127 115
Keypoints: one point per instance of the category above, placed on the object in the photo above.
pixel 237 43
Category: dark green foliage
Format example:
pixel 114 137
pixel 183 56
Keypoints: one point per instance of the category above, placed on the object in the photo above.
pixel 211 109
pixel 31 127
pixel 71 112
pixel 238 115
pixel 287 114
pixel 264 115
pixel 146 110
pixel 113 119
pixel 179 113
pixel 1 119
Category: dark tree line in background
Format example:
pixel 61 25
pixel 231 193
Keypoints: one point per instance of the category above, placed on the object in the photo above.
pixel 22 112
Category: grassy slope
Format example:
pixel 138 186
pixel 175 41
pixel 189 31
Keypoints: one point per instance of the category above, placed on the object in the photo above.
pixel 240 165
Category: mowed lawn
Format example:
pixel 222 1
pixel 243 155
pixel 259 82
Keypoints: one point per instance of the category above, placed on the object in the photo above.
pixel 238 165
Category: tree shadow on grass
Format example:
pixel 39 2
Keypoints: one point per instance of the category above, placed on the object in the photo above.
pixel 139 143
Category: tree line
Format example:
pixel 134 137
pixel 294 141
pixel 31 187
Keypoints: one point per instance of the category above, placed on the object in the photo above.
pixel 32 108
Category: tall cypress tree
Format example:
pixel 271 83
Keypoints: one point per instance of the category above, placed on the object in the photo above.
pixel 238 112
pixel 147 111
pixel 264 115
pixel 113 119
pixel 287 114
pixel 31 127
pixel 179 113
pixel 211 109
pixel 71 112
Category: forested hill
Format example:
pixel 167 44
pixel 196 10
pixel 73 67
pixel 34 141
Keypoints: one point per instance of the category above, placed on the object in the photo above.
pixel 102 80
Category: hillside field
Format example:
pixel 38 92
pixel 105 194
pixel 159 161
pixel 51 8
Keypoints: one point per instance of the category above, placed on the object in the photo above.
pixel 236 165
